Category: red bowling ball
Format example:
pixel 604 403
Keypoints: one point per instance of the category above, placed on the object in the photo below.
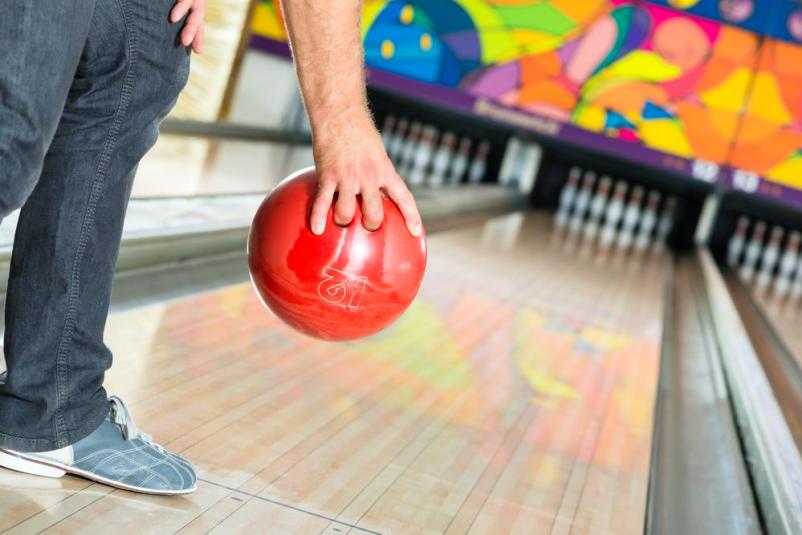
pixel 347 283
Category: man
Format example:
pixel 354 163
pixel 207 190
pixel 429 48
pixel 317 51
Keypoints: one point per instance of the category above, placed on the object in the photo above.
pixel 83 86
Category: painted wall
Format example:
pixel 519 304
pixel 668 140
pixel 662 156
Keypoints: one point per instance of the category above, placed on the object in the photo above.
pixel 704 80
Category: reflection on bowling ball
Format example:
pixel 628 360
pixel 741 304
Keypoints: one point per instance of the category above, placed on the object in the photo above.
pixel 347 283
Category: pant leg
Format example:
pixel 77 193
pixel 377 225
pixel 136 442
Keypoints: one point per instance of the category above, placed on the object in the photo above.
pixel 40 46
pixel 68 237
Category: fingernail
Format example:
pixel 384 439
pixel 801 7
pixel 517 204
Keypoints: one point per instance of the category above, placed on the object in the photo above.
pixel 317 228
pixel 416 230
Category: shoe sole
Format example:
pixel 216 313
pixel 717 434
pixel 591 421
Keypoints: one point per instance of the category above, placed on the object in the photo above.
pixel 26 465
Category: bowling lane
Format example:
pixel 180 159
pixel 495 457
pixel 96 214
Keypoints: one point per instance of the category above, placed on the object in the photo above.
pixel 515 396
pixel 785 317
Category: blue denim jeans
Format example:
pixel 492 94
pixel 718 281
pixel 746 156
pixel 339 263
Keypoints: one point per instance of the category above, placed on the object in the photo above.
pixel 83 87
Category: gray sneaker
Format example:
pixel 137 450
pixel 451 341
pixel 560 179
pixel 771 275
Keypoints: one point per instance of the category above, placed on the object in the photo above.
pixel 117 454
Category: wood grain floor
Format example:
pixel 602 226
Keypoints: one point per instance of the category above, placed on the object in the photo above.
pixel 786 318
pixel 515 396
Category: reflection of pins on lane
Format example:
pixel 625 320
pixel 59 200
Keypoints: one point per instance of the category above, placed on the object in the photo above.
pixel 597 206
pixel 388 131
pixel 479 164
pixel 567 197
pixel 442 158
pixel 753 249
pixel 666 223
pixel 768 261
pixel 648 221
pixel 422 156
pixel 631 218
pixel 582 202
pixel 788 263
pixel 613 215
pixel 460 162
pixel 408 151
pixel 396 147
pixel 737 242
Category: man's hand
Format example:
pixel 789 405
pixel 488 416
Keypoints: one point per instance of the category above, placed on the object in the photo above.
pixel 349 154
pixel 192 34
pixel 351 161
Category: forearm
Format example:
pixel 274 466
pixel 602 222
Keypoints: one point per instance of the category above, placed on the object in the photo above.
pixel 326 44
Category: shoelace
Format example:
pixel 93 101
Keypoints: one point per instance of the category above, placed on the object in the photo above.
pixel 122 417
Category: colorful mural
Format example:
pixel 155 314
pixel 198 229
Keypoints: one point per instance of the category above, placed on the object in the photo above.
pixel 640 73
pixel 690 78
pixel 769 140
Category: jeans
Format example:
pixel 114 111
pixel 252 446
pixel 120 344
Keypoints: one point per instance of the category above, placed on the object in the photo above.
pixel 83 87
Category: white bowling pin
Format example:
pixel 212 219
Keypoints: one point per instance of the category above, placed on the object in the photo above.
pixel 788 264
pixel 666 223
pixel 648 221
pixel 631 219
pixel 422 156
pixel 476 173
pixel 396 147
pixel 459 164
pixel 753 250
pixel 737 242
pixel 408 152
pixel 769 258
pixel 442 158
pixel 796 286
pixel 613 215
pixel 582 202
pixel 567 197
pixel 388 131
pixel 511 162
pixel 597 206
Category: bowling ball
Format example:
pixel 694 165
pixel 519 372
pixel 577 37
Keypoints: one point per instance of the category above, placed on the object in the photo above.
pixel 345 284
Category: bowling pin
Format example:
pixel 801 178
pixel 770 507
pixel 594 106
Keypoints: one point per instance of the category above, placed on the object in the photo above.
pixel 532 158
pixel 442 158
pixel 459 164
pixel 396 147
pixel 788 264
pixel 631 219
pixel 753 250
pixel 511 162
pixel 648 221
pixel 567 197
pixel 796 286
pixel 769 258
pixel 408 152
pixel 612 216
pixel 737 242
pixel 476 173
pixel 582 202
pixel 597 206
pixel 666 223
pixel 422 156
pixel 388 131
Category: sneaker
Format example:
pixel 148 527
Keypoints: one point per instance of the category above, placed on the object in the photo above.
pixel 116 454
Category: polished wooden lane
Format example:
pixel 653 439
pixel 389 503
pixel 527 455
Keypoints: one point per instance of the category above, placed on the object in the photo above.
pixel 516 396
pixel 786 318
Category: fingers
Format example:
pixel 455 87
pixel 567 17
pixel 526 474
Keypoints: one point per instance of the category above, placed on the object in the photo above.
pixel 197 43
pixel 320 208
pixel 193 27
pixel 372 209
pixel 399 193
pixel 180 9
pixel 346 205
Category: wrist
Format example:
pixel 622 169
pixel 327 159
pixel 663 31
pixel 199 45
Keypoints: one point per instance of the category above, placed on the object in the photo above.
pixel 341 126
